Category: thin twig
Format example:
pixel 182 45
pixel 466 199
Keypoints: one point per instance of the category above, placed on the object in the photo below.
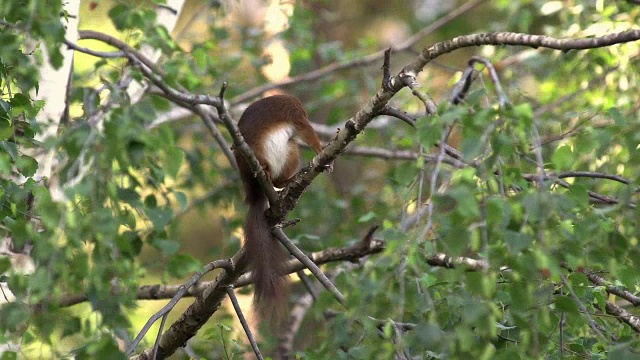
pixel 100 54
pixel 243 321
pixel 307 284
pixel 582 307
pixel 493 74
pixel 399 114
pixel 160 330
pixel 315 270
pixel 433 184
pixel 592 174
pixel 461 88
pixel 409 81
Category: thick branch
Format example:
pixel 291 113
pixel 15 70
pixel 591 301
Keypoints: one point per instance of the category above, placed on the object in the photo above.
pixel 623 316
pixel 209 300
pixel 447 261
pixel 612 289
pixel 355 125
pixel 182 290
pixel 509 38
pixel 159 292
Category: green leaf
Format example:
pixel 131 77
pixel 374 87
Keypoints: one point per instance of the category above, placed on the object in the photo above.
pixel 566 304
pixel 182 264
pixel 617 117
pixel 523 112
pixel 5 163
pixel 10 148
pixel 20 100
pixel 27 165
pixel 10 354
pixel 129 244
pixel 562 158
pixel 200 57
pixel 167 247
pixel 429 132
pixel 120 15
pixel 6 130
pixel 182 199
pixel 367 217
pixel 160 217
pixel 5 264
pixel 71 326
pixel 136 150
pixel 175 157
pixel 128 195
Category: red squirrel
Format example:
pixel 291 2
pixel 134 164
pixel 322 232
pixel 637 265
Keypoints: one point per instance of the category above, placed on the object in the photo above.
pixel 269 126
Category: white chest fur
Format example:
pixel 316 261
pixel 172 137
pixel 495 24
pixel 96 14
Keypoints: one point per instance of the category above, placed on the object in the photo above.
pixel 276 148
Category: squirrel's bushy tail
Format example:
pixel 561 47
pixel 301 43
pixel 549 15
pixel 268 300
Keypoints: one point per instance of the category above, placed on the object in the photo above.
pixel 267 259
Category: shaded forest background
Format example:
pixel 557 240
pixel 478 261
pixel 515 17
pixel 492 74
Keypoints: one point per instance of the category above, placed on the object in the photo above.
pixel 518 239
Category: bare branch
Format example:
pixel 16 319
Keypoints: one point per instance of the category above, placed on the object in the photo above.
pixel 100 54
pixel 293 249
pixel 298 311
pixel 582 308
pixel 444 260
pixel 519 39
pixel 308 285
pixel 623 316
pixel 243 147
pixel 386 70
pixel 612 289
pixel 409 80
pixel 461 88
pixel 399 114
pixel 592 174
pixel 595 197
pixel 494 78
pixel 159 292
pixel 243 322
pixel 160 330
pixel 433 184
pixel 354 126
pixel 209 118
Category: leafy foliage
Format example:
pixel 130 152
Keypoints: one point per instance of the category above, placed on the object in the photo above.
pixel 522 203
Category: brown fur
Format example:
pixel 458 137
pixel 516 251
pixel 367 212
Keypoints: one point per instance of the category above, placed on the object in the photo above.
pixel 267 258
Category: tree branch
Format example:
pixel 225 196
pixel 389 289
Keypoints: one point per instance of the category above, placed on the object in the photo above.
pixel 611 289
pixel 508 38
pixel 355 125
pixel 309 264
pixel 209 301
pixel 158 292
pixel 243 322
pixel 182 290
pixel 623 316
